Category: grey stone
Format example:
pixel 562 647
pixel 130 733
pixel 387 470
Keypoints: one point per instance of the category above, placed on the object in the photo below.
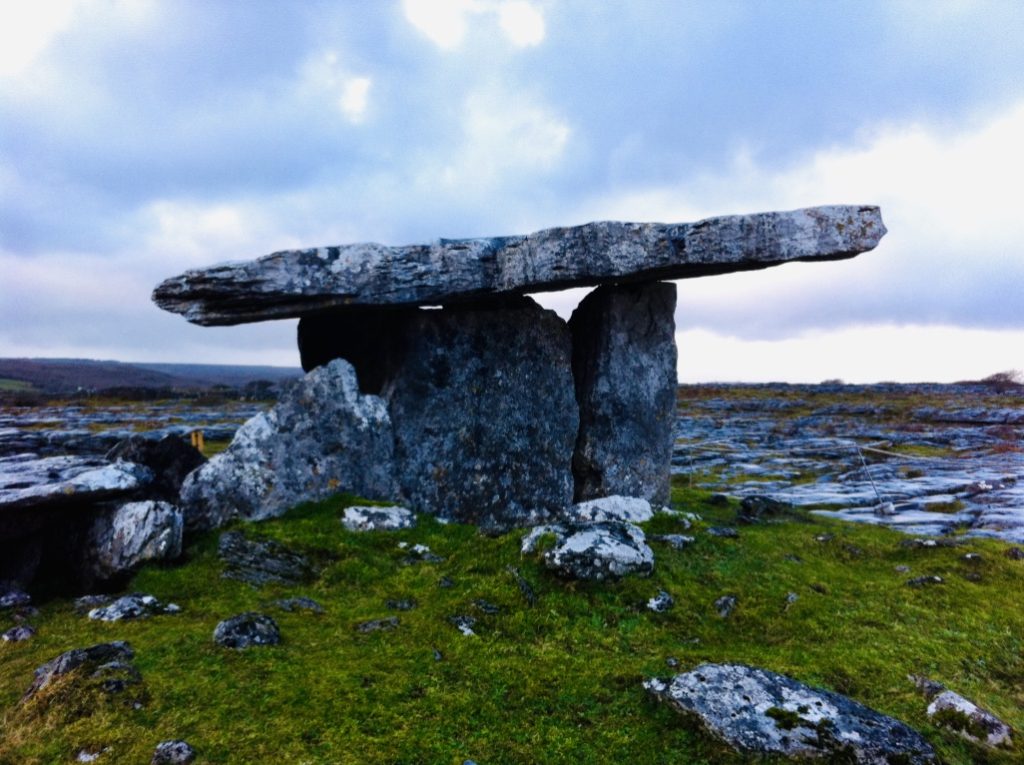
pixel 262 561
pixel 378 625
pixel 925 581
pixel 613 508
pixel 87 603
pixel 594 551
pixel 27 481
pixel 725 605
pixel 90 658
pixel 173 753
pixel 624 366
pixel 484 415
pixel 463 624
pixel 759 712
pixel 120 540
pixel 757 508
pixel 365 518
pixel 135 606
pixel 953 711
pixel 675 541
pixel 303 282
pixel 321 438
pixel 19 634
pixel 14 598
pixel 299 604
pixel 401 604
pixel 725 532
pixel 661 602
pixel 246 630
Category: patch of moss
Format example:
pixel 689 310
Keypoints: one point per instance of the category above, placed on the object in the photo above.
pixel 557 680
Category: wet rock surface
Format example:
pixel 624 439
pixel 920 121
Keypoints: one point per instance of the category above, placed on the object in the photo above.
pixel 247 630
pixel 261 561
pixel 871 454
pixel 624 367
pixel 759 712
pixel 321 438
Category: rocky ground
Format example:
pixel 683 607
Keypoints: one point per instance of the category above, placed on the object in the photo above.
pixel 927 459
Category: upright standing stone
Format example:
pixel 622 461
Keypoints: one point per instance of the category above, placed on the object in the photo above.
pixel 624 362
pixel 484 414
pixel 321 438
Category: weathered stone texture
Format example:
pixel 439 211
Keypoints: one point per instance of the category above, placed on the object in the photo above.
pixel 321 438
pixel 303 282
pixel 624 364
pixel 484 415
pixel 121 539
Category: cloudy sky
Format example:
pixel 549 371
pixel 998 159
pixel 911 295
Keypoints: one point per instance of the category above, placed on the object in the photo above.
pixel 141 138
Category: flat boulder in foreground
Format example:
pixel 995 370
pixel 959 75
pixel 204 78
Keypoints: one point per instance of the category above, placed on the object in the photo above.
pixel 758 712
pixel 295 283
pixel 28 481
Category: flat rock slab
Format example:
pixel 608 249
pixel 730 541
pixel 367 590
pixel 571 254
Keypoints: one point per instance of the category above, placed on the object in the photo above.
pixel 367 518
pixel 261 561
pixel 27 481
pixel 951 710
pixel 91 658
pixel 294 283
pixel 135 606
pixel 614 508
pixel 759 712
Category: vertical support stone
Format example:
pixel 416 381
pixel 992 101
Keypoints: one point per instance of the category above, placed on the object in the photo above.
pixel 484 414
pixel 624 363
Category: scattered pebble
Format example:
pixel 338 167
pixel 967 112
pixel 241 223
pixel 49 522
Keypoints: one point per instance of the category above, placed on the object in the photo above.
pixel 793 558
pixel 1015 553
pixel 725 605
pixel 14 599
pixel 173 753
pixel 488 608
pixel 299 604
pixel 675 541
pixel 902 569
pixel 404 604
pixel 438 655
pixel 661 602
pixel 84 755
pixel 245 630
pixel 18 634
pixel 824 538
pixel 463 623
pixel 971 558
pixel 923 581
pixel 376 625
pixel 672 662
pixel 726 532
pixel 135 606
pixel 791 598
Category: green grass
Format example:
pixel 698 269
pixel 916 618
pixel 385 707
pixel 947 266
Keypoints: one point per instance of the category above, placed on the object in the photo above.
pixel 559 682
pixel 16 386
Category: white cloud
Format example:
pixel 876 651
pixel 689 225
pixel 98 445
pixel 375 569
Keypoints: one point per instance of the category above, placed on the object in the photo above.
pixel 354 97
pixel 447 22
pixel 28 28
pixel 324 77
pixel 522 23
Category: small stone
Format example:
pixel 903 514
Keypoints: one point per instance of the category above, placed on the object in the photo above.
pixel 902 569
pixel 404 604
pixel 87 603
pixel 793 558
pixel 245 630
pixel 84 755
pixel 757 508
pixel 824 538
pixel 18 634
pixel 14 599
pixel 101 654
pixel 929 688
pixel 661 602
pixel 600 551
pixel 725 605
pixel 971 558
pixel 675 541
pixel 419 553
pixel 173 753
pixel 487 608
pixel 953 711
pixel 791 598
pixel 672 662
pixel 438 655
pixel 925 581
pixel 299 604
pixel 463 623
pixel 614 508
pixel 1015 553
pixel 725 532
pixel 135 606
pixel 378 625
pixel 390 518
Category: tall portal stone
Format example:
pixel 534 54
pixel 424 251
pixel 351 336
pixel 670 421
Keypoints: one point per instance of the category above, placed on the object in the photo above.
pixel 624 362
pixel 484 414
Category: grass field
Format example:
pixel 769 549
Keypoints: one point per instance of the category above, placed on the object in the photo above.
pixel 556 682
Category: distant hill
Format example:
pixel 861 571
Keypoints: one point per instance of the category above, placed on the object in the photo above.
pixel 65 376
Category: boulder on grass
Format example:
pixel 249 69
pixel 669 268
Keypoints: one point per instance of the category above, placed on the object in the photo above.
pixel 593 551
pixel 121 539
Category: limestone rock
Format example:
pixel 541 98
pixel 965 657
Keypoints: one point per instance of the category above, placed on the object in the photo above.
pixel 134 533
pixel 299 604
pixel 302 282
pixel 758 712
pixel 614 508
pixel 594 551
pixel 171 459
pixel 661 602
pixel 322 437
pixel 624 363
pixel 19 633
pixel 27 481
pixel 135 606
pixel 260 562
pixel 484 415
pixel 14 598
pixel 365 518
pixel 173 753
pixel 91 658
pixel 953 711
pixel 246 630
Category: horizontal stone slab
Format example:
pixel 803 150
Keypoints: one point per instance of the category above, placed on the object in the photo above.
pixel 295 283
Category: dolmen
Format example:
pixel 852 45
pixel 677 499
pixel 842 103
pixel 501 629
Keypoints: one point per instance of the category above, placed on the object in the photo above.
pixel 435 381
